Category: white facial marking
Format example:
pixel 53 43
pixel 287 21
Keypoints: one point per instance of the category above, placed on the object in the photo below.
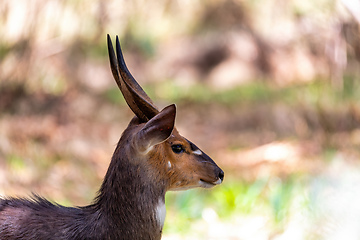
pixel 218 181
pixel 197 152
pixel 147 150
pixel 161 213
pixel 169 164
pixel 205 184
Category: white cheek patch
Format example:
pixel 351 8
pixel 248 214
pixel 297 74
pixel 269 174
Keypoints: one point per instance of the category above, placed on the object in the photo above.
pixel 147 150
pixel 161 213
pixel 197 152
pixel 219 181
pixel 169 164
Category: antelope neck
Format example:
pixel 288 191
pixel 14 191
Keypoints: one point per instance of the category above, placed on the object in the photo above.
pixel 130 192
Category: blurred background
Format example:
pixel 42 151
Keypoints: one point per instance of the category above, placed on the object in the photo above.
pixel 269 89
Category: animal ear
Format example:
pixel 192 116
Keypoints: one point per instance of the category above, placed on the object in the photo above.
pixel 157 129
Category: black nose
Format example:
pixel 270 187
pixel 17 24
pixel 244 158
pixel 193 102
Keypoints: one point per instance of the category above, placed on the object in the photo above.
pixel 221 175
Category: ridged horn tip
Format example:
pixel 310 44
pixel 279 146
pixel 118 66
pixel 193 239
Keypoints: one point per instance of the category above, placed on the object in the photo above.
pixel 138 101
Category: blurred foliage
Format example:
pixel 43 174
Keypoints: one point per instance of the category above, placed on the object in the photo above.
pixel 272 196
pixel 316 92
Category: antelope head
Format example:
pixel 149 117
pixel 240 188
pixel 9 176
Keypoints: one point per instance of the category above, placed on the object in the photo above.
pixel 173 160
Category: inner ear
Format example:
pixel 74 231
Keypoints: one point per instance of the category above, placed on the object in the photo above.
pixel 158 129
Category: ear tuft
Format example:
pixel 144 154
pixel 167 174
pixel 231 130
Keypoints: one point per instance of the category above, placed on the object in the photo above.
pixel 157 129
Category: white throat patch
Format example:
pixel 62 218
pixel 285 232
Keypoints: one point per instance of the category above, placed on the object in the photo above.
pixel 161 213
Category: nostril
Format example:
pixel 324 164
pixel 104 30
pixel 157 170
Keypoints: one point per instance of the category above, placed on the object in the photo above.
pixel 221 175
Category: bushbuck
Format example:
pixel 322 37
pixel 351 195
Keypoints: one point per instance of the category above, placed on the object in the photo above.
pixel 150 159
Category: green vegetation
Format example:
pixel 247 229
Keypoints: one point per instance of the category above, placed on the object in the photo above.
pixel 314 93
pixel 273 197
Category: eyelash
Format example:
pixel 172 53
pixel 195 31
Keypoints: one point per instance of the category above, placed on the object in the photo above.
pixel 177 148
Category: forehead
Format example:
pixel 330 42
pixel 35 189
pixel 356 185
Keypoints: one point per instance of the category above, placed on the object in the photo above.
pixel 175 137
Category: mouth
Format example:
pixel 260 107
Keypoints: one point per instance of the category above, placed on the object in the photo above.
pixel 207 184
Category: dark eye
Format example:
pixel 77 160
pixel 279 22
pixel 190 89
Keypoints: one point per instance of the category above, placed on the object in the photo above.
pixel 177 148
